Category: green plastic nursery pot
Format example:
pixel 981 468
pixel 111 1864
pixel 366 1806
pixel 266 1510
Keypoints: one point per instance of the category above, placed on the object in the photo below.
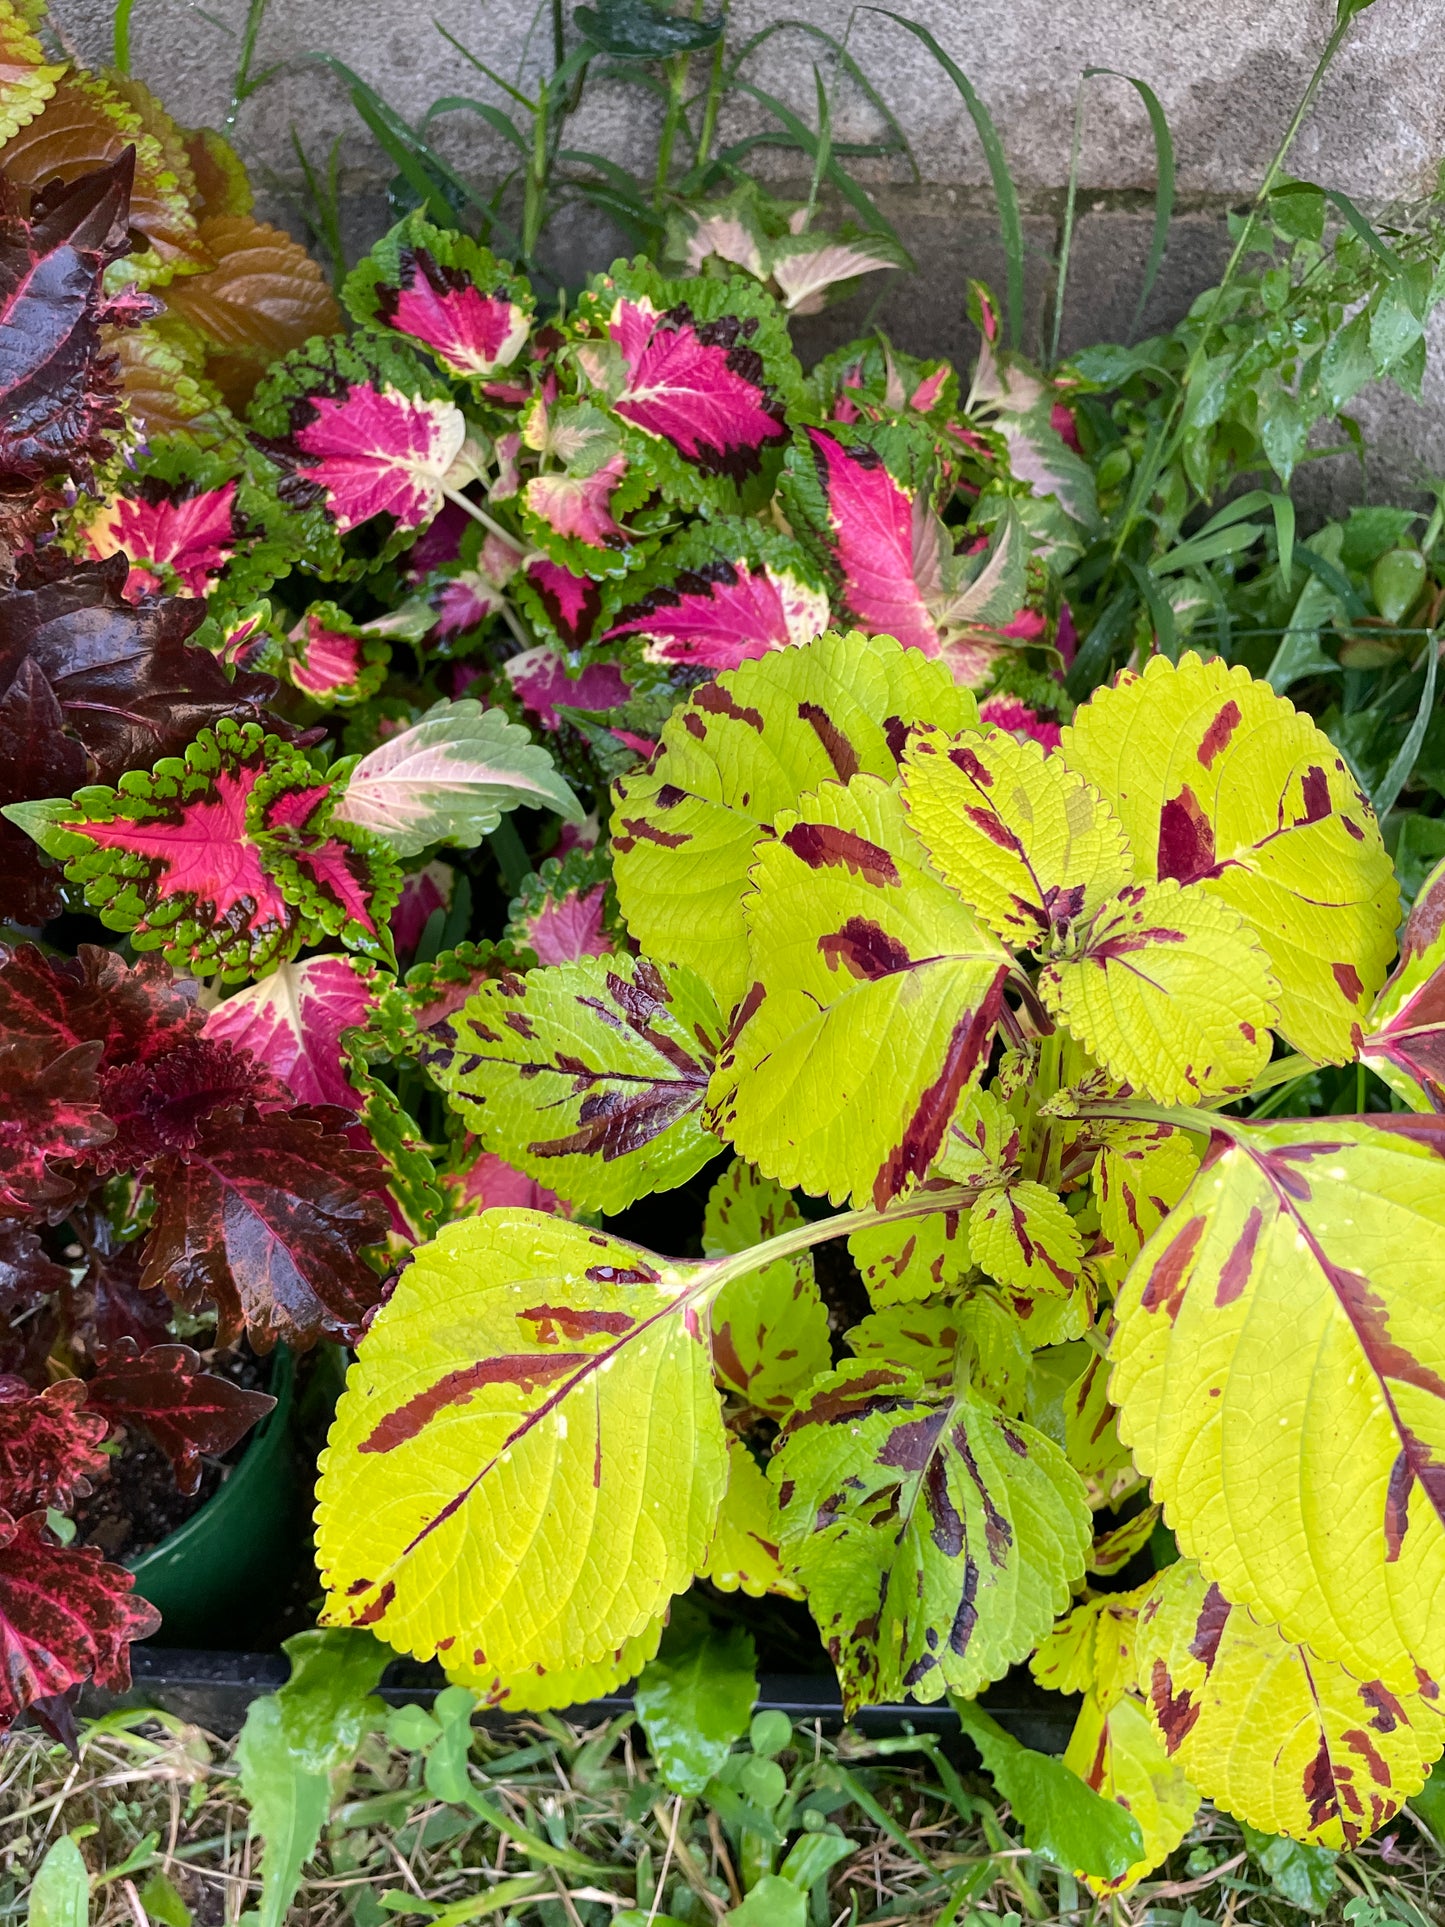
pixel 218 1574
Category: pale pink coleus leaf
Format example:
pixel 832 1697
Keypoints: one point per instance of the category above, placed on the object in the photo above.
pixel 697 386
pixel 805 269
pixel 375 451
pixel 194 535
pixel 567 927
pixel 449 777
pixel 489 1182
pixel 877 527
pixel 723 615
pixel 578 505
pixel 728 237
pixel 539 677
pixel 473 332
pixel 292 1021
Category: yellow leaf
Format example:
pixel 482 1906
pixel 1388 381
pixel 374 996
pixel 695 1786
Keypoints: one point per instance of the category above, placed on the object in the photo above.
pixel 1090 1426
pixel 1272 1732
pixel 1279 1355
pixel 902 1263
pixel 1112 1550
pixel 27 79
pixel 1022 1235
pixel 744 1551
pixel 1218 780
pixel 1140 1175
pixel 1025 841
pixel 539 1690
pixel 1170 992
pixel 1091 1649
pixel 1118 1753
pixel 769 1327
pixel 529 1456
pixel 918 1338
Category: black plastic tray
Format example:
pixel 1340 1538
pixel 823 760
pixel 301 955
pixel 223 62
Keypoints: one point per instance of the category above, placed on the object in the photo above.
pixel 214 1689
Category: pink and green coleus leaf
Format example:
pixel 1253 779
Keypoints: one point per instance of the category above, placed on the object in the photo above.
pixel 293 1022
pixel 723 594
pixel 333 660
pixel 701 374
pixel 559 602
pixel 873 381
pixel 568 909
pixel 448 779
pixel 586 523
pixel 544 685
pixel 589 1076
pixel 189 537
pixel 448 293
pixel 1404 1039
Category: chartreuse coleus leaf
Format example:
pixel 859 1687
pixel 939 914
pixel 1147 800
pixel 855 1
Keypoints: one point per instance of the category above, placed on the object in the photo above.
pixel 589 1076
pixel 1022 1235
pixel 1222 784
pixel 1115 1747
pixel 1279 1352
pixel 745 747
pixel 918 1338
pixel 769 1327
pixel 530 1691
pixel 1273 1732
pixel 874 999
pixel 529 1456
pixel 448 779
pixel 1141 1173
pixel 744 1549
pixel 446 291
pixel 1405 1032
pixel 225 857
pixel 936 1537
pixel 903 1263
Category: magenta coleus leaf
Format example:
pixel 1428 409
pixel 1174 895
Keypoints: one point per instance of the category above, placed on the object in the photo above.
pixel 66 1616
pixel 447 292
pixel 568 909
pixel 541 681
pixel 49 1445
pixel 330 659
pixel 376 451
pixel 189 1412
pixel 578 508
pixel 293 1020
pixel 268 1218
pixel 483 1181
pixel 721 595
pixel 193 536
pixel 423 893
pixel 561 601
pixel 1007 712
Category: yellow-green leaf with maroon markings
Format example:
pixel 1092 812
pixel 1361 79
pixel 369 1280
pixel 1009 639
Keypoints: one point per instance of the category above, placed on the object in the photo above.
pixel 589 1076
pixel 1280 1737
pixel 1169 991
pixel 917 1338
pixel 873 1002
pixel 1279 1368
pixel 937 1538
pixel 1024 840
pixel 1219 781
pixel 769 1327
pixel 1116 1545
pixel 539 1690
pixel 1141 1173
pixel 1404 1038
pixel 1022 1235
pixel 529 1456
pixel 1091 1430
pixel 982 1145
pixel 744 1550
pixel 1117 1752
pixel 903 1263
pixel 1091 1649
pixel 743 748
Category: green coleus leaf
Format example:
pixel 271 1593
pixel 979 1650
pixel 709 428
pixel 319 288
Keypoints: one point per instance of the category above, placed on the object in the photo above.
pixel 744 748
pixel 874 999
pixel 589 1076
pixel 448 779
pixel 225 857
pixel 922 1339
pixel 770 1327
pixel 700 376
pixel 446 292
pixel 1222 784
pixel 529 1457
pixel 936 1537
pixel 1023 1235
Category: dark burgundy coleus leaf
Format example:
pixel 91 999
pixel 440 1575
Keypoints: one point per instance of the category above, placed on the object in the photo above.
pixel 159 1106
pixel 58 387
pixel 37 759
pixel 49 1445
pixel 49 1111
pixel 29 1281
pixel 129 687
pixel 66 1615
pixel 166 1392
pixel 267 1218
pixel 135 1012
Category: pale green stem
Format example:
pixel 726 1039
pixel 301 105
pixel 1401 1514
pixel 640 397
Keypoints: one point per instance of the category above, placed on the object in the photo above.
pixel 480 515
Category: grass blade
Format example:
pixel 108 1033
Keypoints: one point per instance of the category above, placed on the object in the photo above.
pixel 1164 183
pixel 1398 774
pixel 481 66
pixel 1160 612
pixel 845 60
pixel 499 122
pixel 1061 279
pixel 1005 194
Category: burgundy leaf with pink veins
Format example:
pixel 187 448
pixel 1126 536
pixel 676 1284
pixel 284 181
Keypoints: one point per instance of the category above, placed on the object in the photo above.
pixel 472 332
pixel 539 677
pixel 195 535
pixel 572 602
pixel 293 1021
pixel 578 505
pixel 877 532
pixel 376 451
pixel 722 614
pixel 49 1445
pixel 696 385
pixel 190 1413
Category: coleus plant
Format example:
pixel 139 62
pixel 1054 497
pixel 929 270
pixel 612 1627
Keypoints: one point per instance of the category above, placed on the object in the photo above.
pixel 1009 1005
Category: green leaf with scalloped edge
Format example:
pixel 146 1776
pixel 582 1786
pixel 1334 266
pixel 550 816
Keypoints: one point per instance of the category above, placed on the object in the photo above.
pixel 769 1327
pixel 936 1537
pixel 874 1000
pixel 919 1338
pixel 589 1076
pixel 745 747
pixel 1221 783
pixel 1023 1236
pixel 529 1456
pixel 903 1263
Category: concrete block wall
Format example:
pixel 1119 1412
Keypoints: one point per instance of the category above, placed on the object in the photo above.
pixel 1228 73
